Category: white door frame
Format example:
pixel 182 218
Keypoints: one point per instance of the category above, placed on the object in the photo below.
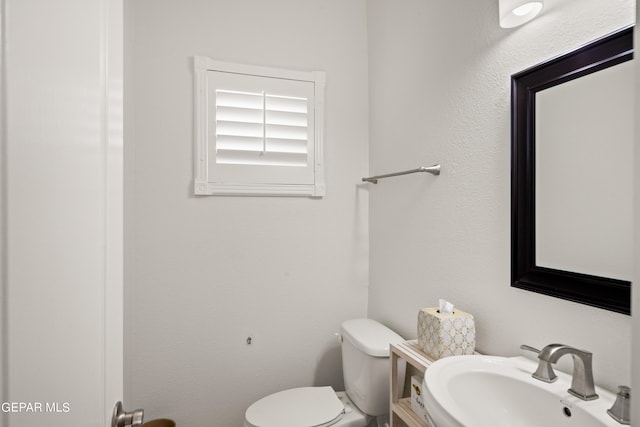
pixel 61 212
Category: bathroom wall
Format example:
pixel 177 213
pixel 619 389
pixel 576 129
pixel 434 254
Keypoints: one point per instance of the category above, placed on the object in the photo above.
pixel 204 273
pixel 440 92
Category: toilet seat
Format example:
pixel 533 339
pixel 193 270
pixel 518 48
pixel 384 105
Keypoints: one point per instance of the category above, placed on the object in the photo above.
pixel 296 407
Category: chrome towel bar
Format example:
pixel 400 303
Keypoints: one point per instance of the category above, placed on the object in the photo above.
pixel 435 170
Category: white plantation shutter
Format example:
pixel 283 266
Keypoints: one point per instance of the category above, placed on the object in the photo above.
pixel 258 130
pixel 261 129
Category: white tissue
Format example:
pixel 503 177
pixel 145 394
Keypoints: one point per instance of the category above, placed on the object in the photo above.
pixel 446 307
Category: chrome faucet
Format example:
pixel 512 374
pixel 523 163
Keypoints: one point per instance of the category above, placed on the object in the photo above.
pixel 582 385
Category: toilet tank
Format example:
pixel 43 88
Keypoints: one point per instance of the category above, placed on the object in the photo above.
pixel 365 364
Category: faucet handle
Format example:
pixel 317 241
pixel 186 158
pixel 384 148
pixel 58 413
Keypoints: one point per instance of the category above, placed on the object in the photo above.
pixel 529 348
pixel 544 372
pixel 621 409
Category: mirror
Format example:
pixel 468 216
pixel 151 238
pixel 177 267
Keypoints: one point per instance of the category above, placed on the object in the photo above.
pixel 584 174
pixel 555 186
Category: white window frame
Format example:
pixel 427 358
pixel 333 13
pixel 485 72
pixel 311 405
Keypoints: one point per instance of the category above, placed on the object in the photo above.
pixel 204 181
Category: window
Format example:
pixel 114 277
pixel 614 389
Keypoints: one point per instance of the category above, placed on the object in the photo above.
pixel 258 130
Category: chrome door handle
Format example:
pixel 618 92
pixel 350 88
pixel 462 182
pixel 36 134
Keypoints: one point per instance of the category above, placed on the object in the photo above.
pixel 126 419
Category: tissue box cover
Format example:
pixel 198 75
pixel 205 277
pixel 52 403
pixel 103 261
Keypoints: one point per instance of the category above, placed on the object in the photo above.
pixel 417 400
pixel 442 335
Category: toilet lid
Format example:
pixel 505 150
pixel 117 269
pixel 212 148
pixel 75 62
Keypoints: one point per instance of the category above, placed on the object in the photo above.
pixel 296 407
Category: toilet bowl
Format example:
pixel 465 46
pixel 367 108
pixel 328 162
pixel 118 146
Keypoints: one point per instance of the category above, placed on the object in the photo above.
pixel 365 362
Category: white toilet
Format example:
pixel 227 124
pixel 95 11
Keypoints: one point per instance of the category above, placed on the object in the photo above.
pixel 365 367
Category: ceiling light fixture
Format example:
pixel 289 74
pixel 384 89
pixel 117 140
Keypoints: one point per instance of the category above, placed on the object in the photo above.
pixel 517 12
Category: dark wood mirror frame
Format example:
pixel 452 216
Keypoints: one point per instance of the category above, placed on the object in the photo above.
pixel 602 292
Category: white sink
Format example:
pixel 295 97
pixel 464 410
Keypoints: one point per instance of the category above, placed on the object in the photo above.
pixel 479 391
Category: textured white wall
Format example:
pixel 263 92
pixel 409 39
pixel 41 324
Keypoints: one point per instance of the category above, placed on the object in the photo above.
pixel 440 92
pixel 203 273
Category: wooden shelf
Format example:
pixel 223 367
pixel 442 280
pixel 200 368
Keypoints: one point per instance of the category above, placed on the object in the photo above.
pixel 402 408
pixel 401 413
